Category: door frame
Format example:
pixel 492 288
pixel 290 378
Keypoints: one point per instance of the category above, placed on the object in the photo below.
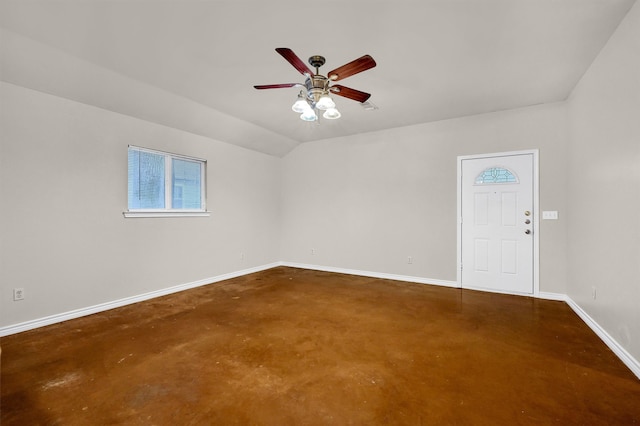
pixel 536 214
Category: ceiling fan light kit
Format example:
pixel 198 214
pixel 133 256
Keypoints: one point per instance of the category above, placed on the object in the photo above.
pixel 331 114
pixel 309 115
pixel 325 102
pixel 301 104
pixel 318 87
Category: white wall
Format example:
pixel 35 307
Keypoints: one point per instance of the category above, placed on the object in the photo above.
pixel 366 202
pixel 604 187
pixel 63 186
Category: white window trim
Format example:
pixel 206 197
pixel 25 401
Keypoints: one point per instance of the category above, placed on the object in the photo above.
pixel 166 213
pixel 142 213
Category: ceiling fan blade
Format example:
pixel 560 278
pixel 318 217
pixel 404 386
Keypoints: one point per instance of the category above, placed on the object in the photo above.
pixel 354 67
pixel 293 59
pixel 277 86
pixel 347 92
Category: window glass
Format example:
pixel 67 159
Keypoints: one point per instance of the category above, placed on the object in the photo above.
pixel 496 175
pixel 146 180
pixel 186 184
pixel 165 183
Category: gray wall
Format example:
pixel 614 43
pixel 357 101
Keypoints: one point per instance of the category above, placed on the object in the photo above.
pixel 604 187
pixel 367 202
pixel 63 180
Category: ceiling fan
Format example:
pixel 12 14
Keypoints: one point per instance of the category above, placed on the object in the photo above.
pixel 316 88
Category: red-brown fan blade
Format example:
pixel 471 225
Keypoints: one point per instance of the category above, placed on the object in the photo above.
pixel 347 92
pixel 277 86
pixel 354 67
pixel 293 59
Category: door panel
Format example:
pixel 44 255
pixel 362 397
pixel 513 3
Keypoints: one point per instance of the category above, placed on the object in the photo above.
pixel 496 200
pixel 481 263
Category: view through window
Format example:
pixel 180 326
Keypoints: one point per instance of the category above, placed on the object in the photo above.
pixel 161 182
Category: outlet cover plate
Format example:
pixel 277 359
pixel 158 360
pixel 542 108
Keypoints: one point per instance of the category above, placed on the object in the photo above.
pixel 18 294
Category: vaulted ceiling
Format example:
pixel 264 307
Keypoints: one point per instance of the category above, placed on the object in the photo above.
pixel 192 64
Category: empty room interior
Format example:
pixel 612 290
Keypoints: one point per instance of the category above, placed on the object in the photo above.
pixel 431 236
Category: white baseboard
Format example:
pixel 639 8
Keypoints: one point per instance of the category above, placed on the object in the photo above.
pixel 552 296
pixel 617 349
pixel 77 313
pixel 624 356
pixel 407 278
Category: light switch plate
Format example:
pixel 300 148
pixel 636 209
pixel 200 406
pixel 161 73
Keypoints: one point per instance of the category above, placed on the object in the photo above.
pixel 550 215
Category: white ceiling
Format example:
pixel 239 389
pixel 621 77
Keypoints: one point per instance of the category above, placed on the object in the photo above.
pixel 192 64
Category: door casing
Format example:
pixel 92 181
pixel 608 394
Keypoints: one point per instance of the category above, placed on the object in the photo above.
pixel 536 211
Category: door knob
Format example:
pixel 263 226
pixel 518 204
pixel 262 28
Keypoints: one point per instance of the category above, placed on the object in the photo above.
pixel 527 222
pixel 527 213
pixel 527 231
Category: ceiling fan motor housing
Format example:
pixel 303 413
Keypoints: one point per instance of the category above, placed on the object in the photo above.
pixel 316 87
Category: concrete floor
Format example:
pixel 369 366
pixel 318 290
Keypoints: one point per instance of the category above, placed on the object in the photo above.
pixel 297 347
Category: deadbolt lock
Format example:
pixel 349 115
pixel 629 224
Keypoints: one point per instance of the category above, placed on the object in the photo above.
pixel 527 231
pixel 527 221
pixel 527 213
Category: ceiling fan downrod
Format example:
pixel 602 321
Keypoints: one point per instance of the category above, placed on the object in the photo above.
pixel 316 61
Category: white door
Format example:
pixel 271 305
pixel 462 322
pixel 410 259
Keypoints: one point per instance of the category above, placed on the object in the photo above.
pixel 497 231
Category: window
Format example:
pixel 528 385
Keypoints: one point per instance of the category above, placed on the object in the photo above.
pixel 163 184
pixel 495 175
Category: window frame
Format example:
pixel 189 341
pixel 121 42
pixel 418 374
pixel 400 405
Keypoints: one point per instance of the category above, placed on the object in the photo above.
pixel 168 187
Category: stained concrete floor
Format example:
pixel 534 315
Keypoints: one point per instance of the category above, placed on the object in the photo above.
pixel 297 347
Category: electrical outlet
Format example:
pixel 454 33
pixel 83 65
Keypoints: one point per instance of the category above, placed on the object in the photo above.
pixel 313 252
pixel 409 260
pixel 18 294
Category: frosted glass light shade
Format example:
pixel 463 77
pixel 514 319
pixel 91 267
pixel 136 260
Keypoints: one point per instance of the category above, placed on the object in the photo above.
pixel 331 114
pixel 300 106
pixel 325 102
pixel 308 115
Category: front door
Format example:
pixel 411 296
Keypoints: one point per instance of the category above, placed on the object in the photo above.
pixel 496 206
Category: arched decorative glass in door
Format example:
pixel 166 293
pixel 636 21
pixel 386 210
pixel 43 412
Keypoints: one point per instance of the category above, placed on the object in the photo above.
pixel 496 175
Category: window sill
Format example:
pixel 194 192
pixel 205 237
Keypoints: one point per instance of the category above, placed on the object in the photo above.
pixel 134 214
